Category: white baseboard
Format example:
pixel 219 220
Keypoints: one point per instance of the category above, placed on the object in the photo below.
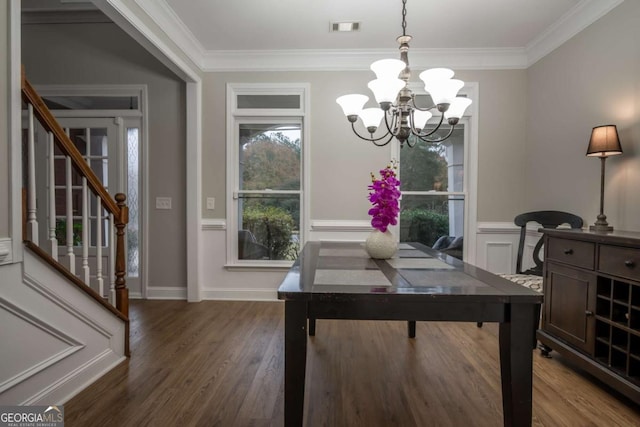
pixel 240 294
pixel 179 293
pixel 135 295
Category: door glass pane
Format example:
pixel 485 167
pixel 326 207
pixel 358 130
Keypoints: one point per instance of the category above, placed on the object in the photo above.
pixel 79 139
pixel 269 156
pixel 270 227
pixel 133 228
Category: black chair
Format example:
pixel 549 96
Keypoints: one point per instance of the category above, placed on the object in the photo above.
pixel 532 277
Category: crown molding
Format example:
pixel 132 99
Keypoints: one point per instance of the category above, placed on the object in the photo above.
pixel 575 20
pixel 134 24
pixel 578 18
pixel 172 25
pixel 344 59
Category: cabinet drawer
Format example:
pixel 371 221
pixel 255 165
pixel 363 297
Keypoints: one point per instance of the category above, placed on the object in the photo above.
pixel 619 261
pixel 572 252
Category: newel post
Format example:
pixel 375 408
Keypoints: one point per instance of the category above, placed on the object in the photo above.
pixel 122 293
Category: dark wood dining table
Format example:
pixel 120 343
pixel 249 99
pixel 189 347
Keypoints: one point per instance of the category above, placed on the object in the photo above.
pixel 338 280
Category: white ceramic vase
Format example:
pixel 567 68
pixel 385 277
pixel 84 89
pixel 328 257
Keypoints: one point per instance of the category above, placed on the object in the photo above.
pixel 381 245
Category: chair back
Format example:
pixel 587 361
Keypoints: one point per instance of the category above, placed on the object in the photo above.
pixel 548 219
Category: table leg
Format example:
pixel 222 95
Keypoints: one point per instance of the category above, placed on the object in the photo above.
pixel 516 365
pixel 312 326
pixel 295 360
pixel 411 328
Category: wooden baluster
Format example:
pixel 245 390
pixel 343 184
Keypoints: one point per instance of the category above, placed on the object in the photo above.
pixel 53 241
pixel 32 220
pixel 122 293
pixel 69 220
pixel 112 260
pixel 85 218
pixel 99 278
pixel 85 233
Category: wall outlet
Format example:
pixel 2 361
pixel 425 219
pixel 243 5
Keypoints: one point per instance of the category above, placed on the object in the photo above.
pixel 211 203
pixel 163 202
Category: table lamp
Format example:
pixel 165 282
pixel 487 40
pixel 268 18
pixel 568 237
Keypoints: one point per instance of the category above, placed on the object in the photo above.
pixel 604 142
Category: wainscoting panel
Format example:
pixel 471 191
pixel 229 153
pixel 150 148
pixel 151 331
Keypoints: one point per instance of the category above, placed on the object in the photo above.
pixel 499 256
pixel 497 246
pixel 56 340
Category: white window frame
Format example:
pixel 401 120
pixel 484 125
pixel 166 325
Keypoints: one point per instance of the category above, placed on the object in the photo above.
pixel 470 185
pixel 237 116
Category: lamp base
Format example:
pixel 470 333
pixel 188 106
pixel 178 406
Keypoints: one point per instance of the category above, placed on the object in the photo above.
pixel 600 227
pixel 601 224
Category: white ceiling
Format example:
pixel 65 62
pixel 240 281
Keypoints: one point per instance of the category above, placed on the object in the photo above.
pixel 304 24
pixel 294 34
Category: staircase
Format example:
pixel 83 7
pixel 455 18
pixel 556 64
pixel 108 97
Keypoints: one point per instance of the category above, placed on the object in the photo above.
pixel 64 309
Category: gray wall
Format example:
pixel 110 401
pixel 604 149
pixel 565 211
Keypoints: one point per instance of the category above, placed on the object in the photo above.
pixel 341 163
pixel 5 173
pixel 591 80
pixel 104 54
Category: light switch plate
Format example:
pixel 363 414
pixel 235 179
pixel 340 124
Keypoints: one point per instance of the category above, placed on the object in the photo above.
pixel 211 203
pixel 163 202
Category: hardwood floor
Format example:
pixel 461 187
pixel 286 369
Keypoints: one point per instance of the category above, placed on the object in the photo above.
pixel 220 363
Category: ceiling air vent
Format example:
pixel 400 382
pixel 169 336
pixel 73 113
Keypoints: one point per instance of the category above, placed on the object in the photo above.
pixel 344 27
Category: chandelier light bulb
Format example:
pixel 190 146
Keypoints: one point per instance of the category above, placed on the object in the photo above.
pixel 388 69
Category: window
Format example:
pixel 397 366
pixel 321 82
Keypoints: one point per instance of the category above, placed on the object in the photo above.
pixel 266 140
pixel 435 193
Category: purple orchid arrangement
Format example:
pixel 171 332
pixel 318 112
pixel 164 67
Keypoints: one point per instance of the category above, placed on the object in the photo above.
pixel 384 195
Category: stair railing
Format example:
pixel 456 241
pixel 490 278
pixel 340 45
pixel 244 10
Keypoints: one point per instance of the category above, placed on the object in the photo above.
pixel 60 146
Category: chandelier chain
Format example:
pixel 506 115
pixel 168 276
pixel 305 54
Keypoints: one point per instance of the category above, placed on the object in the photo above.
pixel 404 17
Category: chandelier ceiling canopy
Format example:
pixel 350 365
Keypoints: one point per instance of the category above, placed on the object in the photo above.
pixel 397 103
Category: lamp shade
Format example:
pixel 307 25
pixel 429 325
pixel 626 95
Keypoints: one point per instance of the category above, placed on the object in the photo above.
pixel 352 104
pixel 388 68
pixel 435 75
pixel 443 91
pixel 386 90
pixel 457 107
pixel 604 141
pixel 371 117
pixel 420 118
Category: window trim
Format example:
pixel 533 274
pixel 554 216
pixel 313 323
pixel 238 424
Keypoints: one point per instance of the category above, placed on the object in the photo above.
pixel 236 116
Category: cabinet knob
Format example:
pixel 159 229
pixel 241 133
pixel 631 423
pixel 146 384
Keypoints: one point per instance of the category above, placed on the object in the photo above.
pixel 588 313
pixel 568 251
pixel 629 263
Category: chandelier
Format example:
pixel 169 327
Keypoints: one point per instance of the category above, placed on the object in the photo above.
pixel 397 104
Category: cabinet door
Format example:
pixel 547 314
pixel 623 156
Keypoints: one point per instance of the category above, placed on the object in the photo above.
pixel 569 304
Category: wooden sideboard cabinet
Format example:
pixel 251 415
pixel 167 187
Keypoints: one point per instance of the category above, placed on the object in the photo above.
pixel 591 309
